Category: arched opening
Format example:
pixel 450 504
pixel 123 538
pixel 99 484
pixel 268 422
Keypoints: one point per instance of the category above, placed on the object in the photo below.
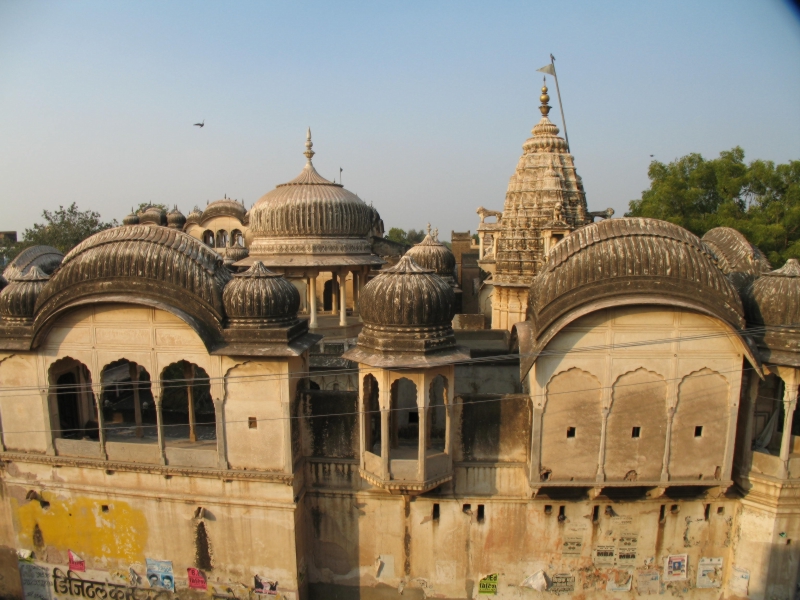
pixel 129 409
pixel 187 410
pixel 237 239
pixel 404 420
pixel 329 291
pixel 72 401
pixel 222 239
pixel 436 421
pixel 208 238
pixel 372 416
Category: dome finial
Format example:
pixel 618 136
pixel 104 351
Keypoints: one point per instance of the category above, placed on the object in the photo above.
pixel 309 152
pixel 429 228
pixel 544 108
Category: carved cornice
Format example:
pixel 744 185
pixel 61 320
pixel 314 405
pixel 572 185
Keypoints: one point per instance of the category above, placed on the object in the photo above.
pixel 405 487
pixel 90 463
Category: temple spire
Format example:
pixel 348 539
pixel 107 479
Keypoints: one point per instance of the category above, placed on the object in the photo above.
pixel 309 152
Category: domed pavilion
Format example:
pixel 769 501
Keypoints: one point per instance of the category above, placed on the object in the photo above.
pixel 309 226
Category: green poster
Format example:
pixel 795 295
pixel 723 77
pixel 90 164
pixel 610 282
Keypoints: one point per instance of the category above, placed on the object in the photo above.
pixel 488 585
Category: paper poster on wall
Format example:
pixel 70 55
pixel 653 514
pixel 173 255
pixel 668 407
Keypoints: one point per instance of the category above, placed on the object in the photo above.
pixel 35 581
pixel 562 583
pixel 648 582
pixel 740 581
pixel 619 580
pixel 675 567
pixel 159 574
pixel 264 586
pixel 76 563
pixel 626 548
pixel 572 546
pixel 709 573
pixel 604 555
pixel 197 581
pixel 488 585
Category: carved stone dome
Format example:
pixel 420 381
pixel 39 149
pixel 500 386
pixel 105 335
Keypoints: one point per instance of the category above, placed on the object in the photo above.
pixel 740 260
pixel 131 219
pixel 18 299
pixel 258 297
pixel 406 309
pixel 773 312
pixel 152 215
pixel 628 261
pixel 311 217
pixel 195 216
pixel 46 258
pixel 431 254
pixel 175 219
pixel 226 207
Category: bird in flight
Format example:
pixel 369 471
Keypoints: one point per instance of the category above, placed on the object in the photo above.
pixel 652 155
pixel 200 124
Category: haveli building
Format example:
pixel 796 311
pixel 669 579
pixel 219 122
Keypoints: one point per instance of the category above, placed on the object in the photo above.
pixel 197 406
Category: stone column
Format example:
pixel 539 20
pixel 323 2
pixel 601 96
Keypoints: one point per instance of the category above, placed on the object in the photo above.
pixel 536 445
pixel 133 369
pixel 162 452
pixel 385 416
pixel 343 299
pixel 101 424
pixel 751 397
pixel 601 459
pixel 480 245
pixel 222 448
pixel 334 294
pixel 789 405
pixel 356 277
pixel 422 437
pixel 312 307
pixel 665 464
pixel 188 375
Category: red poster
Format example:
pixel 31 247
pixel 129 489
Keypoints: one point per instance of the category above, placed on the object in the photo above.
pixel 197 580
pixel 76 563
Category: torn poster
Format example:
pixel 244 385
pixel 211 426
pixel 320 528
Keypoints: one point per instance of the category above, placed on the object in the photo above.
pixel 709 573
pixel 76 563
pixel 197 581
pixel 562 583
pixel 572 546
pixel 35 581
pixel 537 581
pixel 619 580
pixel 159 574
pixel 648 582
pixel 263 586
pixel 488 585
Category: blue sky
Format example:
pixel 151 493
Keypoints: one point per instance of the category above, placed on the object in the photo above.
pixel 424 104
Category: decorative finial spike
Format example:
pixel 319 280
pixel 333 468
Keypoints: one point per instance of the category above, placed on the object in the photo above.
pixel 309 152
pixel 429 228
pixel 436 234
pixel 544 98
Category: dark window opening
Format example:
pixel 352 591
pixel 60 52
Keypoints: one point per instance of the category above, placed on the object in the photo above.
pixel 104 507
pixel 466 509
pixel 662 514
pixel 435 514
pixel 570 432
pixel 698 431
pixel 636 432
pixel 720 510
pixel 372 416
pixel 674 509
pixel 562 513
pixel 404 420
pixel 252 422
pixel 481 513
pixel 187 409
pixel 413 417
pixel 436 415
pixel 595 514
pixel 129 410
pixel 706 511
pixel 548 510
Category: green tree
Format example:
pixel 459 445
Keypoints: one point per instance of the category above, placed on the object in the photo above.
pixel 397 235
pixel 63 229
pixel 762 200
pixel 410 237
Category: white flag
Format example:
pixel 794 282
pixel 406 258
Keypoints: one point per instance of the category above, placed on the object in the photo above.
pixel 549 69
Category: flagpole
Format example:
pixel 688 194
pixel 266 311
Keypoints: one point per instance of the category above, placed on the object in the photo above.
pixel 560 106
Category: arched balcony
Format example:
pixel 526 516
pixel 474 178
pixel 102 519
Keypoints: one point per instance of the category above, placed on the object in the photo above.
pixel 405 429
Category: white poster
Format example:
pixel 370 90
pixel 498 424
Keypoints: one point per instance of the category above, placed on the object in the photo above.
pixel 35 581
pixel 676 567
pixel 709 573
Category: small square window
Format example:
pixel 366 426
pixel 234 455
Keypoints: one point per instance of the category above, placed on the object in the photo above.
pixel 570 432
pixel 481 513
pixel 548 510
pixel 698 431
pixel 636 432
pixel 435 514
pixel 252 422
pixel 720 510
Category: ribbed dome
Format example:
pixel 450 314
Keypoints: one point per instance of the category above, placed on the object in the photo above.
pixel 431 254
pixel 310 206
pixel 195 216
pixel 175 219
pixel 226 207
pixel 773 309
pixel 637 258
pixel 131 219
pixel 18 299
pixel 46 258
pixel 152 215
pixel 740 260
pixel 258 298
pixel 232 254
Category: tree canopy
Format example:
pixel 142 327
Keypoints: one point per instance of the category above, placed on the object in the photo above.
pixel 410 237
pixel 759 199
pixel 63 229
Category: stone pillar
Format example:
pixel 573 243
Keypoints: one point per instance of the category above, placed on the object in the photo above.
pixel 601 459
pixel 356 278
pixel 751 397
pixel 160 427
pixel 480 245
pixel 343 300
pixel 789 405
pixel 312 307
pixel 334 294
pixel 536 445
pixel 422 436
pixel 101 424
pixel 188 375
pixel 48 420
pixel 133 369
pixel 665 464
pixel 385 416
pixel 222 448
